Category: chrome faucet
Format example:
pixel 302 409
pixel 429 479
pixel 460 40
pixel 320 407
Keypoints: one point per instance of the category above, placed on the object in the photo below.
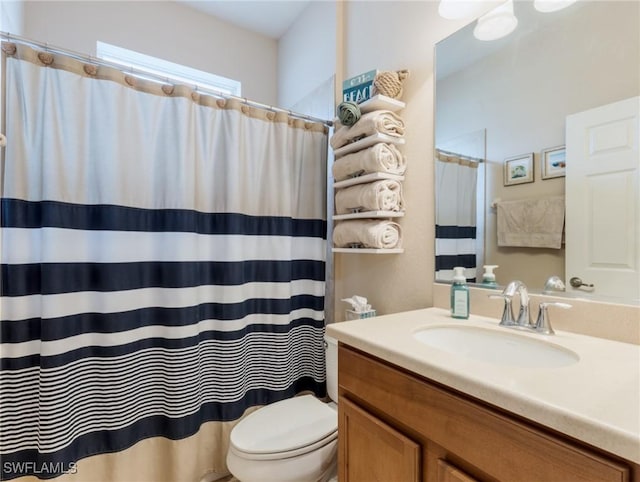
pixel 542 324
pixel 524 317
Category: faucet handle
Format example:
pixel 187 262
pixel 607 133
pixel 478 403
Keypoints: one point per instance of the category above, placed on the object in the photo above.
pixel 543 325
pixel 507 313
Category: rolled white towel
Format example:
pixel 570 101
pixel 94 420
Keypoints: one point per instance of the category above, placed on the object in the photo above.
pixel 368 233
pixel 377 121
pixel 380 157
pixel 384 195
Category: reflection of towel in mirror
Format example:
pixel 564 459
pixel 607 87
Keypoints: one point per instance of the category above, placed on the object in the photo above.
pixel 370 233
pixel 380 157
pixel 378 121
pixel 532 223
pixel 384 195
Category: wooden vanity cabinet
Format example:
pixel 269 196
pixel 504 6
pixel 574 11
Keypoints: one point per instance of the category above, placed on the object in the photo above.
pixel 395 426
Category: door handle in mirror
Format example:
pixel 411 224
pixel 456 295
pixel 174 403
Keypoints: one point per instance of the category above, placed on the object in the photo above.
pixel 578 283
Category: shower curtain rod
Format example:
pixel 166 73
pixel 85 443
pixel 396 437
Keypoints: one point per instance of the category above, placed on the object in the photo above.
pixel 97 61
pixel 449 153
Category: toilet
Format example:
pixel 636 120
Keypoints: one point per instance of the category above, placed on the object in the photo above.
pixel 294 440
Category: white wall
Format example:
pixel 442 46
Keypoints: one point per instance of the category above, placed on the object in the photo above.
pixel 522 95
pixel 307 53
pixel 395 35
pixel 162 29
pixel 12 16
pixel 384 35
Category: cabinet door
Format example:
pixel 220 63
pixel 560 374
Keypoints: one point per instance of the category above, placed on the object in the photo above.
pixel 370 450
pixel 449 473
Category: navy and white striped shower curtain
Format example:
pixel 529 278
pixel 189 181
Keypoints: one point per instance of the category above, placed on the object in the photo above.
pixel 163 265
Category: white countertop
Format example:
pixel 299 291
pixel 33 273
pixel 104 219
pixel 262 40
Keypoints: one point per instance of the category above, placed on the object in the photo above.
pixel 596 400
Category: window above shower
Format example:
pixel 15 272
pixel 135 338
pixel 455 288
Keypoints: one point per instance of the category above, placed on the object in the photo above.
pixel 169 70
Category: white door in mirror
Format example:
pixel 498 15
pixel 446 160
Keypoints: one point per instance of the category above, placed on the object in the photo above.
pixel 603 199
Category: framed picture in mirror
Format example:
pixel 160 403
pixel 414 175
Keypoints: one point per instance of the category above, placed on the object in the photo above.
pixel 518 169
pixel 554 162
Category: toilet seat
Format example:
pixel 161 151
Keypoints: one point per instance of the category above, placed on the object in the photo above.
pixel 288 454
pixel 284 429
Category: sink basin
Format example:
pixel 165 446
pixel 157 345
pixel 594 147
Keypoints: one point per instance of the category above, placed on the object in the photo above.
pixel 496 346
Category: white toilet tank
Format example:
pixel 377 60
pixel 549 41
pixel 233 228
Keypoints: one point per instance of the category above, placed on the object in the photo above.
pixel 331 358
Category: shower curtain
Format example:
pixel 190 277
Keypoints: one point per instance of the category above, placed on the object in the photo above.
pixel 163 263
pixel 456 185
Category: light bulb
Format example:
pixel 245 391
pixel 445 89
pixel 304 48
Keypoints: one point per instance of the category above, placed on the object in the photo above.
pixel 496 24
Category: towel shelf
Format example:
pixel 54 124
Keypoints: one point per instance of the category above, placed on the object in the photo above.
pixel 369 250
pixel 369 214
pixel 367 142
pixel 374 176
pixel 381 102
pixel 378 102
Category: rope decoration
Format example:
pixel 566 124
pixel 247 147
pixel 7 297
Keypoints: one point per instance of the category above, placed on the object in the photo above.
pixel 348 113
pixel 389 83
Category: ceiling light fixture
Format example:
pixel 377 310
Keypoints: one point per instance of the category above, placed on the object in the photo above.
pixel 547 6
pixel 496 24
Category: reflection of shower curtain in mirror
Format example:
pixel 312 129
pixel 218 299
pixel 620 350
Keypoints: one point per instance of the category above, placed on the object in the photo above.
pixel 456 185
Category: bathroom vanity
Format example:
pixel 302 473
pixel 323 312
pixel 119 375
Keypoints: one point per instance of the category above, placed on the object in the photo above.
pixel 411 412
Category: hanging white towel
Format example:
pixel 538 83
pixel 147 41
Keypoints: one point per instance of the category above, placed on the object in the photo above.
pixel 531 223
pixel 377 121
pixel 368 233
pixel 384 195
pixel 380 157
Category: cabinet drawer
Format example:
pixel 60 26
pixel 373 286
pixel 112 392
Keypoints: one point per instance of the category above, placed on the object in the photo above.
pixel 497 445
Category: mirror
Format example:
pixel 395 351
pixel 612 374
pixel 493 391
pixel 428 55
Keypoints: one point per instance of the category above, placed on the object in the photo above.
pixel 508 99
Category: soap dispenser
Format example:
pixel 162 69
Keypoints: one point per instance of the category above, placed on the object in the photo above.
pixel 459 294
pixel 489 278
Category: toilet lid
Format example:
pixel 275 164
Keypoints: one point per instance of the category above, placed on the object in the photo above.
pixel 285 426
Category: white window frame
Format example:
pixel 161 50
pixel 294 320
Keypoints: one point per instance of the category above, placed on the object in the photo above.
pixel 169 70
